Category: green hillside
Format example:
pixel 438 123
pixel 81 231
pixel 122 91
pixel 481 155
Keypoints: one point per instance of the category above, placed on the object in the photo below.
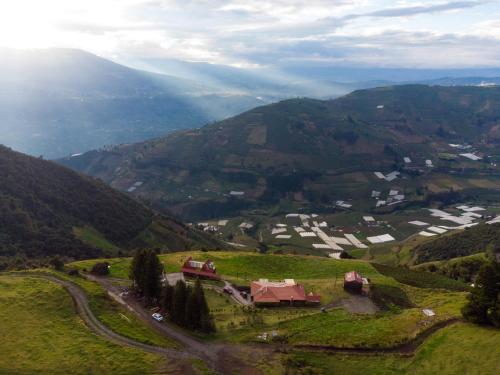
pixel 468 242
pixel 48 209
pixel 311 153
pixel 46 337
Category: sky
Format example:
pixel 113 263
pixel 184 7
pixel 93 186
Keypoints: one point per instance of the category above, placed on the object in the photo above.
pixel 263 33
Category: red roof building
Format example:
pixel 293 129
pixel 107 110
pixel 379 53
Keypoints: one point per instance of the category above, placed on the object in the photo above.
pixel 287 292
pixel 353 281
pixel 200 269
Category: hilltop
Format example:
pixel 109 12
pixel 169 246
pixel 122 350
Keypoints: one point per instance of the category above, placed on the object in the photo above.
pixel 50 210
pixel 311 153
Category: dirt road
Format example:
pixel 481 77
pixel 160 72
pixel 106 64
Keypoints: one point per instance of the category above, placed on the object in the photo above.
pixel 223 358
pixel 83 309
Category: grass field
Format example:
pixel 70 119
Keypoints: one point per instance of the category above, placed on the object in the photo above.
pixel 41 334
pixel 458 349
pixel 397 323
pixel 115 316
pixel 242 267
pixel 94 238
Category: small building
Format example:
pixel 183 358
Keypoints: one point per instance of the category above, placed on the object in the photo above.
pixel 281 293
pixel 353 282
pixel 205 270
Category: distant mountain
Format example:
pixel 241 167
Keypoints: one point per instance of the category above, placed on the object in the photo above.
pixel 314 80
pixel 57 102
pixel 308 152
pixel 48 209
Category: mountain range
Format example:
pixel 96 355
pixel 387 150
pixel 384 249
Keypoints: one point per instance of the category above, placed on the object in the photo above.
pixel 59 102
pixel 307 151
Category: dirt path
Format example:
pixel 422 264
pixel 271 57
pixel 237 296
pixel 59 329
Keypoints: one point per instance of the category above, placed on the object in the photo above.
pixel 407 349
pixel 83 309
pixel 222 358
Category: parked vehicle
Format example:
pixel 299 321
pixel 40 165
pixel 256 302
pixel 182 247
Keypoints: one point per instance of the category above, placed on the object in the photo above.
pixel 158 317
pixel 228 290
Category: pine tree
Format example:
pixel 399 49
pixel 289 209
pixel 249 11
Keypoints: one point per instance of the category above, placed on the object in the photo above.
pixel 152 276
pixel 192 319
pixel 167 298
pixel 145 271
pixel 178 312
pixel 137 268
pixel 483 305
pixel 204 319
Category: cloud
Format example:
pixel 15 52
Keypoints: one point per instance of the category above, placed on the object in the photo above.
pixel 266 32
pixel 424 9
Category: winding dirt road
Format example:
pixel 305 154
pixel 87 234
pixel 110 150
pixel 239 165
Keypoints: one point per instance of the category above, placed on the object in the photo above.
pixel 83 309
pixel 222 358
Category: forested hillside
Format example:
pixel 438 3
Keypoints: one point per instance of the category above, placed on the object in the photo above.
pixel 43 203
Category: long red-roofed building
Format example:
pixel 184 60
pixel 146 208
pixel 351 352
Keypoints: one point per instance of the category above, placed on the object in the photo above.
pixel 286 292
pixel 194 268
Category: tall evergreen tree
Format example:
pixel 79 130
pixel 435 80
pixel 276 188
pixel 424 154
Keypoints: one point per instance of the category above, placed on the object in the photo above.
pixel 145 271
pixel 137 268
pixel 483 306
pixel 167 298
pixel 181 293
pixel 193 312
pixel 152 277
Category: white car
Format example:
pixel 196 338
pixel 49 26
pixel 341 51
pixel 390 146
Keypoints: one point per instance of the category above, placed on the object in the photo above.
pixel 158 317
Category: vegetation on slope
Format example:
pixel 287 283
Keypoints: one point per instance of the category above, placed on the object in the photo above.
pixel 470 241
pixel 460 268
pixel 296 146
pixel 41 202
pixel 420 279
pixel 42 334
pixel 457 349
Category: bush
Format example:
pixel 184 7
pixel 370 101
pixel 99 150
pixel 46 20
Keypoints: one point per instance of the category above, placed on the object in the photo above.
pixel 100 269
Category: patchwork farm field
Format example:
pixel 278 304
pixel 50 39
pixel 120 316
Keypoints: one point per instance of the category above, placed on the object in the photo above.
pixel 41 334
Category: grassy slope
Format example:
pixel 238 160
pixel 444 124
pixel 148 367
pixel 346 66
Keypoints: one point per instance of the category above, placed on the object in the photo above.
pixel 115 316
pixel 93 238
pixel 306 325
pixel 462 268
pixel 420 279
pixel 458 349
pixel 245 266
pixel 41 334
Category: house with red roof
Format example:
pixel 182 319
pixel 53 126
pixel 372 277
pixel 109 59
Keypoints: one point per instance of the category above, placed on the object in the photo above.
pixel 205 270
pixel 353 282
pixel 284 293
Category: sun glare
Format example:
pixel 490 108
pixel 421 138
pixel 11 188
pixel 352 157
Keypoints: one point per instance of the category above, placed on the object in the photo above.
pixel 56 23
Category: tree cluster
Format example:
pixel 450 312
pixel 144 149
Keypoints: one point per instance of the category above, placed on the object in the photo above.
pixel 145 271
pixel 187 306
pixel 483 306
